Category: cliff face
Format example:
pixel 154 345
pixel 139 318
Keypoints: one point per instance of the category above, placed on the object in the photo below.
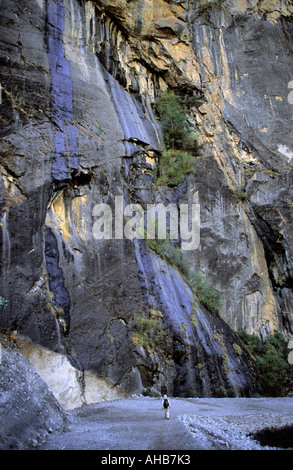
pixel 78 129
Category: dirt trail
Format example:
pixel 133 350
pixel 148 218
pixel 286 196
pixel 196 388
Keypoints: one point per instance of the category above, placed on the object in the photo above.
pixel 139 424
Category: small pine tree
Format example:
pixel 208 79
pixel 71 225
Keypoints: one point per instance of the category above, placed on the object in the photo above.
pixel 174 121
pixel 182 145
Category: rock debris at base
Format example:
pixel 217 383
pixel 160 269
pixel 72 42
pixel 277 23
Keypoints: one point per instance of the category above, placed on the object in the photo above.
pixel 138 423
pixel 234 432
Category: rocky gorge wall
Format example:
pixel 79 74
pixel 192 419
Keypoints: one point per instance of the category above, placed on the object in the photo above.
pixel 79 79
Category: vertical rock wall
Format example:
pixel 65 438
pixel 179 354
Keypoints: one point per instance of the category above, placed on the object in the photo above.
pixel 246 122
pixel 78 82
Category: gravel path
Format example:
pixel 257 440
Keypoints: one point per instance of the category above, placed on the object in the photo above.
pixel 138 423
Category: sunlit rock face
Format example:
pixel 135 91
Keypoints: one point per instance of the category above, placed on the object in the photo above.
pixel 78 128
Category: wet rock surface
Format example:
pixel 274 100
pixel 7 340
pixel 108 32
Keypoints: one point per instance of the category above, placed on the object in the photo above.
pixel 79 81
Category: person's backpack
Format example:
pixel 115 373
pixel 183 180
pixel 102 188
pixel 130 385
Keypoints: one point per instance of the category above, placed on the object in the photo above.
pixel 166 403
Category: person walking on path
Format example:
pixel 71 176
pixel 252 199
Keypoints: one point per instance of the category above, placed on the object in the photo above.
pixel 166 406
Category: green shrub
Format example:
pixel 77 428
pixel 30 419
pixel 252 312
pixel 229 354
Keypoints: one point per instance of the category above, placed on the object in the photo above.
pixel 253 343
pixel 271 359
pixel 241 194
pixel 181 143
pixel 173 119
pixel 170 253
pixel 174 164
pixel 173 116
pixel 150 393
pixel 148 332
pixel 3 302
pixel 207 295
pixel 174 256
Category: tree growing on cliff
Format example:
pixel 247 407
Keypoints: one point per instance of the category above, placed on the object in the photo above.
pixel 173 117
pixel 271 359
pixel 181 143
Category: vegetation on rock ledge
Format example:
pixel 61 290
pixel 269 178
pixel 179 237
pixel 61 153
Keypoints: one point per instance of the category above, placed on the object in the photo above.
pixel 3 302
pixel 271 359
pixel 206 294
pixel 181 142
pixel 149 332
